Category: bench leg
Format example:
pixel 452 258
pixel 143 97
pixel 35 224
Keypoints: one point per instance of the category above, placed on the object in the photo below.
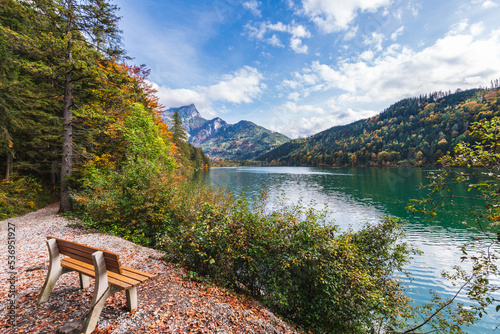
pixel 131 298
pixel 102 291
pixel 55 271
pixel 84 281
pixel 95 311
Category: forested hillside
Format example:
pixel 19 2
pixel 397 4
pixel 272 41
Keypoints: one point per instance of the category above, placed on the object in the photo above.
pixel 415 131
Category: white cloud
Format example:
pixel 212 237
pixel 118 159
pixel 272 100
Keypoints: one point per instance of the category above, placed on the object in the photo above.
pixel 397 33
pixel 172 98
pixel 375 40
pixel 295 96
pixel 242 86
pixel 307 78
pixel 277 27
pixel 367 55
pixel 293 84
pixel 351 33
pixel 298 33
pixel 462 60
pixel 489 4
pixel 303 126
pixel 477 29
pixel 256 32
pixel 459 27
pixel 296 120
pixel 290 4
pixel 275 41
pixel 253 6
pixel 297 46
pixel 336 15
pixel 292 107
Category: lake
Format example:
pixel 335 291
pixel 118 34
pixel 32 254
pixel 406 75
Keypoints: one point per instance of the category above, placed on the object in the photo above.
pixel 357 195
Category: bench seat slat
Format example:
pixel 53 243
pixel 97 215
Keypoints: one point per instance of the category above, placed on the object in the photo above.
pixel 142 273
pixel 109 266
pixel 86 252
pixel 115 279
pixel 84 248
pixel 140 277
pixel 90 272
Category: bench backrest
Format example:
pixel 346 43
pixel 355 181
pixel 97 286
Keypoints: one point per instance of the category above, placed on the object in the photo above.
pixel 84 253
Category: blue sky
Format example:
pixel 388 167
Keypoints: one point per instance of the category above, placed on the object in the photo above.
pixel 301 66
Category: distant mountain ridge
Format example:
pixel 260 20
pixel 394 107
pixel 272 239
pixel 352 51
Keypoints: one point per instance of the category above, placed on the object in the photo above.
pixel 222 141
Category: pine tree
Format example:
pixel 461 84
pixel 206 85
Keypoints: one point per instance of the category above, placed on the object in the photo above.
pixel 178 132
pixel 29 109
pixel 87 21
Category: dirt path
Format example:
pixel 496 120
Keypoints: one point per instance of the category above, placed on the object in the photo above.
pixel 168 304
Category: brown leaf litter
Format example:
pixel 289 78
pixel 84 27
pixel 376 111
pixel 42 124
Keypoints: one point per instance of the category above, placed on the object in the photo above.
pixel 169 303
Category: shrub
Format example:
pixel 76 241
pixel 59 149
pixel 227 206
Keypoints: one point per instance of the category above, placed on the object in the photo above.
pixel 22 194
pixel 296 264
pixel 290 258
pixel 126 197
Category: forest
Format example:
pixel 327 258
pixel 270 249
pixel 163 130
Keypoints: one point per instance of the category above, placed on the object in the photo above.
pixel 64 79
pixel 412 132
pixel 80 125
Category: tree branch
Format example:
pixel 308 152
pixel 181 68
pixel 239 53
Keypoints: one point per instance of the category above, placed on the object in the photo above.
pixel 412 330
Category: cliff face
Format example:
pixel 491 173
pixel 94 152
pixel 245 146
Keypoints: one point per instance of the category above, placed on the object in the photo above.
pixel 207 130
pixel 191 118
pixel 222 141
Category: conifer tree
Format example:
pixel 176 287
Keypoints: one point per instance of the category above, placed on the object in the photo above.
pixel 87 22
pixel 29 111
pixel 178 131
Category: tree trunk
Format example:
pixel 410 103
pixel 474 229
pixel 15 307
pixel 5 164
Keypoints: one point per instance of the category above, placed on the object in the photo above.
pixel 53 171
pixel 8 170
pixel 67 146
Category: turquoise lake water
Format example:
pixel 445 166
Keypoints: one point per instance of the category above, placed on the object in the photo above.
pixel 357 195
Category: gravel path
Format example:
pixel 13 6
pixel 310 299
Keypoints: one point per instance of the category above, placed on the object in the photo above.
pixel 168 304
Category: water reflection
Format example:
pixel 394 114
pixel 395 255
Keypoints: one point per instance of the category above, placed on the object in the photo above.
pixel 356 195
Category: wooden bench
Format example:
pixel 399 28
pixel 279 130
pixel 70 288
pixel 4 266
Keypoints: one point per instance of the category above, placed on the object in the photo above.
pixel 110 276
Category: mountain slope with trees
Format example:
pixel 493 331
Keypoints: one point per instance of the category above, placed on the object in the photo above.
pixel 415 131
pixel 222 141
pixel 188 153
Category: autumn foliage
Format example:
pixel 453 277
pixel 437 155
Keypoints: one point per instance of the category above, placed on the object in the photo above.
pixel 413 132
pixel 126 181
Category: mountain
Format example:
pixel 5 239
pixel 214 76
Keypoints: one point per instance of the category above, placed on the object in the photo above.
pixel 415 131
pixel 222 141
pixel 191 118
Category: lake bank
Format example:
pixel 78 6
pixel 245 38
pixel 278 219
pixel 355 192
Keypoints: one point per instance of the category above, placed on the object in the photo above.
pixel 356 195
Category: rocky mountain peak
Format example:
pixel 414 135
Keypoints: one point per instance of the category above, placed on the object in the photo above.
pixel 185 112
pixel 223 141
